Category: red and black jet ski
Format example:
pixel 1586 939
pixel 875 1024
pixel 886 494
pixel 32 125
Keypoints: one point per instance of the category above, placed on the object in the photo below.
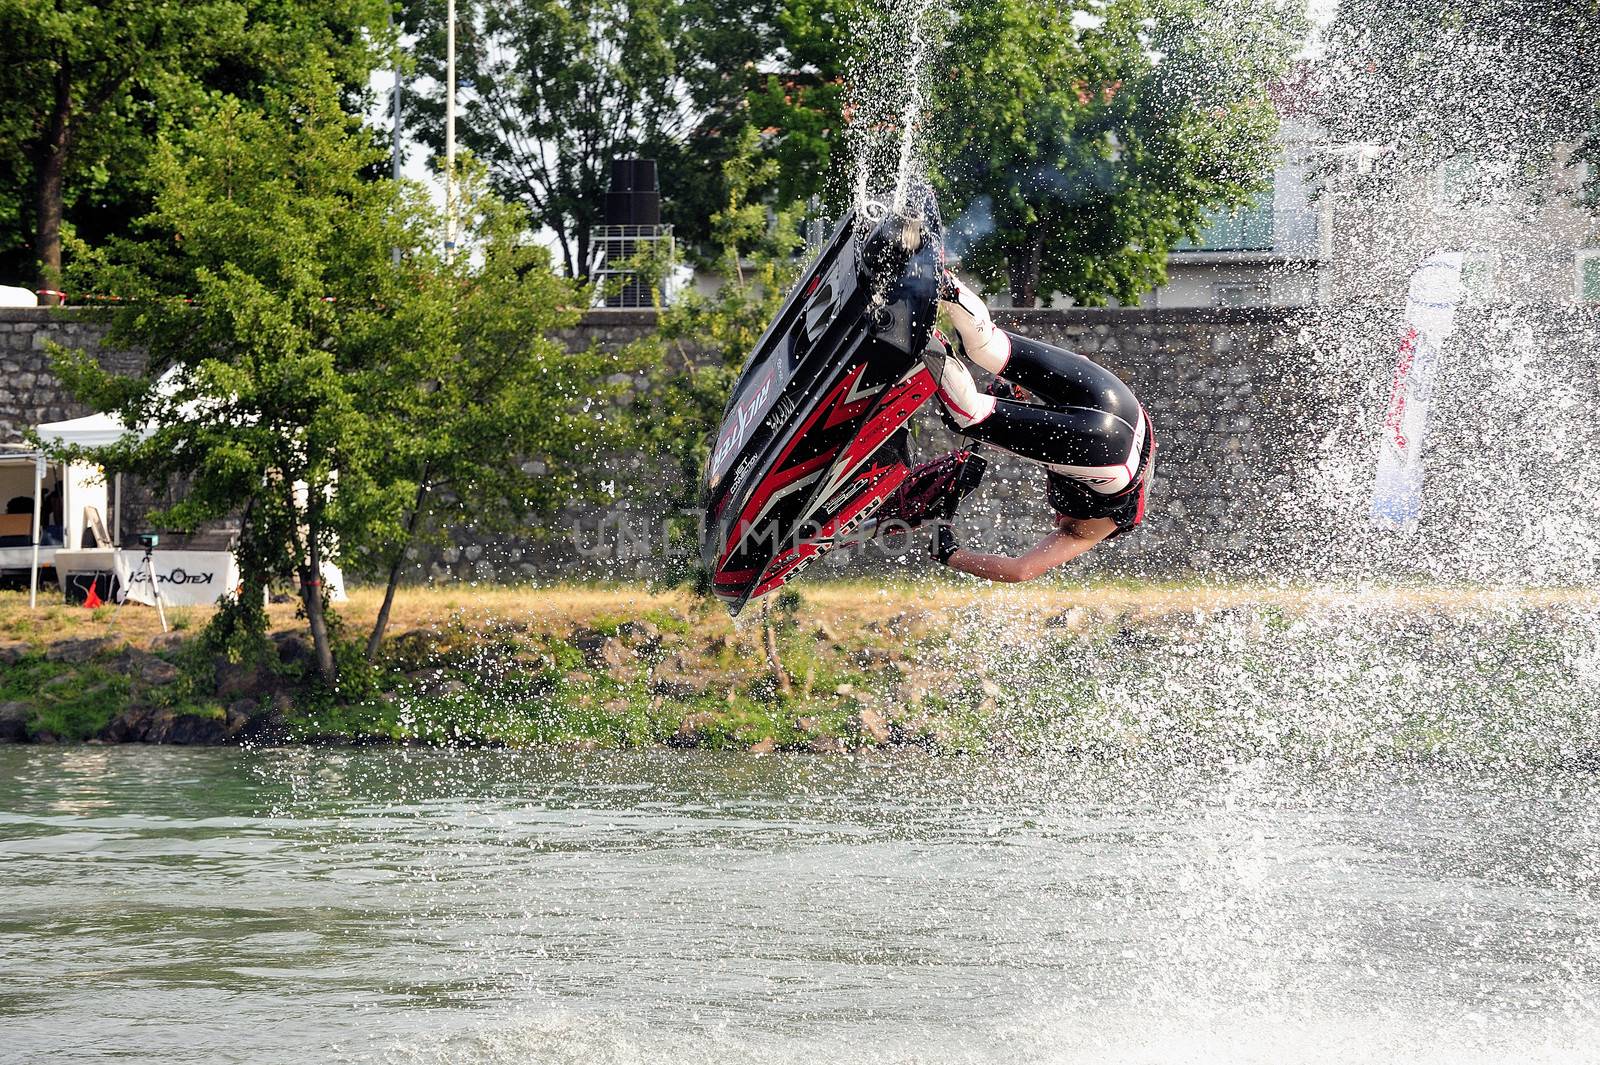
pixel 797 462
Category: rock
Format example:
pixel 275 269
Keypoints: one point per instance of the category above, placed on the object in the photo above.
pixel 872 659
pixel 144 666
pixel 157 726
pixel 195 730
pixel 808 725
pixel 13 651
pixel 235 680
pixel 129 726
pixel 869 724
pixel 14 722
pixel 588 642
pixel 77 652
pixel 169 641
pixel 827 745
pixel 64 680
pixel 675 678
pixel 902 623
pixel 990 689
pixel 845 689
pixel 825 632
pixel 692 730
pixel 293 649
pixel 1074 620
pixel 910 694
pixel 616 656
pixel 635 633
pixel 238 717
pixel 764 746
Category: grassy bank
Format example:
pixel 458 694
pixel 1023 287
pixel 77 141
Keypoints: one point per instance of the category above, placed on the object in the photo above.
pixel 837 667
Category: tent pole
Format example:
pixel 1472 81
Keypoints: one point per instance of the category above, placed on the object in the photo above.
pixel 38 488
pixel 116 517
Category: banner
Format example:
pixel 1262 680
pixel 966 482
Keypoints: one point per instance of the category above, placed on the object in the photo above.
pixel 186 578
pixel 1430 318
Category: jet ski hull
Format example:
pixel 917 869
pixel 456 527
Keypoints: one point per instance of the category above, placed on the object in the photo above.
pixel 795 466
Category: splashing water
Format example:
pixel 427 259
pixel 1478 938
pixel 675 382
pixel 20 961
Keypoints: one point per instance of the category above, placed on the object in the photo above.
pixel 888 90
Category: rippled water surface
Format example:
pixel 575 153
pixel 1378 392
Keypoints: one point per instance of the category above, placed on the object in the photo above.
pixel 411 906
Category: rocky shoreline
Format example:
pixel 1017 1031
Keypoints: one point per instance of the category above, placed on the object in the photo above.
pixel 1408 675
pixel 654 680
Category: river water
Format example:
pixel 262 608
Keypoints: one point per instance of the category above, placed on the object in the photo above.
pixel 170 905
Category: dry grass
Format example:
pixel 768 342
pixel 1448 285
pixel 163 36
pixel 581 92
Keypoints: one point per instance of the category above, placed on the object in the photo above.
pixel 843 604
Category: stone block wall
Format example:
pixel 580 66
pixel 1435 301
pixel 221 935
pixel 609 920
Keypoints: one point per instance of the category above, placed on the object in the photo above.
pixel 1224 388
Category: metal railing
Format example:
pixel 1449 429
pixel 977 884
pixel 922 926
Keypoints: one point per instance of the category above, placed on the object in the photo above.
pixel 614 255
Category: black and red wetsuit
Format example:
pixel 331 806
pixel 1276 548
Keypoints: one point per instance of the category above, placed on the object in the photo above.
pixel 1085 427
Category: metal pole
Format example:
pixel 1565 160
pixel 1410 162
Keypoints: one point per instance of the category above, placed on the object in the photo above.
pixel 155 589
pixel 394 148
pixel 450 132
pixel 38 489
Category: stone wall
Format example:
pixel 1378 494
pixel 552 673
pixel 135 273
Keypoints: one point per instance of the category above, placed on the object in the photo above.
pixel 1224 388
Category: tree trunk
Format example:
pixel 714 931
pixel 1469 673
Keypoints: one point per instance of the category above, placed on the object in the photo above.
pixel 311 596
pixel 50 173
pixel 376 639
pixel 1024 263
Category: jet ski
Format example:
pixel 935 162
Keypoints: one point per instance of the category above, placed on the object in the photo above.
pixel 799 461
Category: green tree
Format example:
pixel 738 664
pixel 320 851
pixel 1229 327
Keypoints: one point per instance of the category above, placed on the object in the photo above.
pixel 552 90
pixel 300 376
pixel 803 106
pixel 1073 152
pixel 89 85
pixel 1505 83
pixel 498 421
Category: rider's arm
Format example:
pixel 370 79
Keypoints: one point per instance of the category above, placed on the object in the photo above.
pixel 1066 543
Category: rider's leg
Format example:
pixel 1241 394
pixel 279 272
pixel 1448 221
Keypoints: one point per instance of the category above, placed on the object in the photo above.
pixel 1098 447
pixel 1057 376
pixel 959 393
pixel 1062 378
pixel 985 343
pixel 1094 447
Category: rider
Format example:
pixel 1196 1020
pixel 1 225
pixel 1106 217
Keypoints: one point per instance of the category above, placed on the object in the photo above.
pixel 1086 429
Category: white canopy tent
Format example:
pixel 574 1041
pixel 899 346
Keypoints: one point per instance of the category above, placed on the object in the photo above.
pixel 100 430
pixel 83 498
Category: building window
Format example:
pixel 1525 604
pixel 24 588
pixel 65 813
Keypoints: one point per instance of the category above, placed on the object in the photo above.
pixel 1588 263
pixel 1241 294
pixel 1247 229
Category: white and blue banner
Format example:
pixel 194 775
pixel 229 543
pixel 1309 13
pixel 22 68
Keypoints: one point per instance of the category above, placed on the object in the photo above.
pixel 1430 318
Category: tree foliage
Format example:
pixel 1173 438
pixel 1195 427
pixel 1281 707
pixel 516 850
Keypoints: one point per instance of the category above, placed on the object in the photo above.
pixel 334 396
pixel 1503 83
pixel 551 91
pixel 801 107
pixel 1073 148
pixel 90 85
pixel 1073 152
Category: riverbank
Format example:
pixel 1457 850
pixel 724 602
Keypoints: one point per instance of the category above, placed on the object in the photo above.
pixel 1108 668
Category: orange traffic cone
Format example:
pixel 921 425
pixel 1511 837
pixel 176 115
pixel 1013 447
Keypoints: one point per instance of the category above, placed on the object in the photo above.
pixel 92 600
